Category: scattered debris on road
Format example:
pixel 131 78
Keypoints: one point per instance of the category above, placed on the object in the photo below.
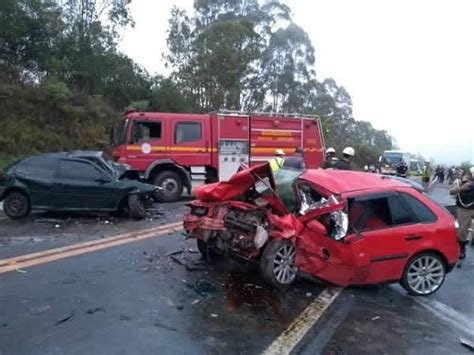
pixel 191 264
pixel 105 221
pixel 177 260
pixel 56 222
pixel 39 310
pixel 204 288
pixel 174 252
pixel 95 310
pixel 164 326
pixel 196 266
pixel 66 318
pixel 154 213
pixel 467 343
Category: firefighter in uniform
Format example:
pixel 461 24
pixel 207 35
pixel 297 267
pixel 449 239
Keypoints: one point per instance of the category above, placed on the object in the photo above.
pixel 425 177
pixel 345 162
pixel 463 189
pixel 331 159
pixel 277 162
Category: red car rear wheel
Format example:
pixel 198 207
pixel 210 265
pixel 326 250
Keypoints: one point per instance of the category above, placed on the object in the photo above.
pixel 424 274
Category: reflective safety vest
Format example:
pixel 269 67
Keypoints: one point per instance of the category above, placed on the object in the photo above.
pixel 426 171
pixel 276 163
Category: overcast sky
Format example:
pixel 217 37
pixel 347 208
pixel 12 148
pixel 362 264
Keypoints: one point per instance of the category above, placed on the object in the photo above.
pixel 408 64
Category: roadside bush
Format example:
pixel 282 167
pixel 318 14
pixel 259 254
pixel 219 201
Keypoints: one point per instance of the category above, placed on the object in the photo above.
pixel 51 118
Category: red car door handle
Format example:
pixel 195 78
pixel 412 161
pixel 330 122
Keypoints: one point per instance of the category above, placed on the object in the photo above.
pixel 413 237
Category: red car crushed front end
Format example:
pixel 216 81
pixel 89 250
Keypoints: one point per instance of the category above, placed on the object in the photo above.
pixel 238 219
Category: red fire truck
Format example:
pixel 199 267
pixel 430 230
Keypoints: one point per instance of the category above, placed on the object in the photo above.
pixel 176 150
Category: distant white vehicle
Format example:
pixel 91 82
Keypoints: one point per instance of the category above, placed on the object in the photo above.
pixel 390 159
pixel 416 166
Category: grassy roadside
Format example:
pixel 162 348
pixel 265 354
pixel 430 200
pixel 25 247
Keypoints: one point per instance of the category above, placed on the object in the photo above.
pixel 6 160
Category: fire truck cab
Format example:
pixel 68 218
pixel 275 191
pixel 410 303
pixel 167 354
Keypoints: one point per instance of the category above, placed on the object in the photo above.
pixel 182 150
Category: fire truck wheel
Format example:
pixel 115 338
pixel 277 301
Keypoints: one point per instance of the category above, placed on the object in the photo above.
pixel 136 207
pixel 171 183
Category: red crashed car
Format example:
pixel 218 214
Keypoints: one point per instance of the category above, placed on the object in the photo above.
pixel 341 227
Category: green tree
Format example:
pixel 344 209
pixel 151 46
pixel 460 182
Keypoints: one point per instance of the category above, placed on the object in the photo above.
pixel 211 53
pixel 287 68
pixel 166 97
pixel 29 33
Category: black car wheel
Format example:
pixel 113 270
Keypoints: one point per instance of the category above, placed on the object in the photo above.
pixel 424 274
pixel 136 207
pixel 171 184
pixel 278 264
pixel 17 205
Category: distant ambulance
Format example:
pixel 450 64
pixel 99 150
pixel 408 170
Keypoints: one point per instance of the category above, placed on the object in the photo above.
pixel 176 150
pixel 390 159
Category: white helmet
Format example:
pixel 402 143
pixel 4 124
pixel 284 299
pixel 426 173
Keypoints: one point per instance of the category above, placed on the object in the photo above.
pixel 330 150
pixel 349 151
pixel 471 170
pixel 279 152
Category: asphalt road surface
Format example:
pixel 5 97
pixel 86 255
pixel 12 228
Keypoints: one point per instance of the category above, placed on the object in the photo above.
pixel 147 291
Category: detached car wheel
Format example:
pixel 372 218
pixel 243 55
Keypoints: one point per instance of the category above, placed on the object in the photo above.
pixel 278 264
pixel 17 205
pixel 171 184
pixel 424 274
pixel 136 207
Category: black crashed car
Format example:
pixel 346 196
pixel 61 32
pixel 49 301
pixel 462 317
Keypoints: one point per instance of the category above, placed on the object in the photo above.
pixel 72 182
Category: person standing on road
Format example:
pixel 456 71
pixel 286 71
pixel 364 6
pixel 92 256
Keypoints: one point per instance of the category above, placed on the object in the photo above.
pixel 402 169
pixel 437 172
pixel 295 162
pixel 331 159
pixel 425 176
pixel 441 175
pixel 463 189
pixel 277 162
pixel 345 162
pixel 450 175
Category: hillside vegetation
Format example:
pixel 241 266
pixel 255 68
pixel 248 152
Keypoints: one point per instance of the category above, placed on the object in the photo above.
pixel 63 82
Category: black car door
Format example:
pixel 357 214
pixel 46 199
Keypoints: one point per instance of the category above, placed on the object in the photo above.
pixel 36 174
pixel 83 186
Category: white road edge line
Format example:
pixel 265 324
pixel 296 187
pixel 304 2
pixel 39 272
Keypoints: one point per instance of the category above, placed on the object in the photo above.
pixel 293 334
pixel 448 314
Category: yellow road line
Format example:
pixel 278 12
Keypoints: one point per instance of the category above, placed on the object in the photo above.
pixel 46 256
pixel 292 335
